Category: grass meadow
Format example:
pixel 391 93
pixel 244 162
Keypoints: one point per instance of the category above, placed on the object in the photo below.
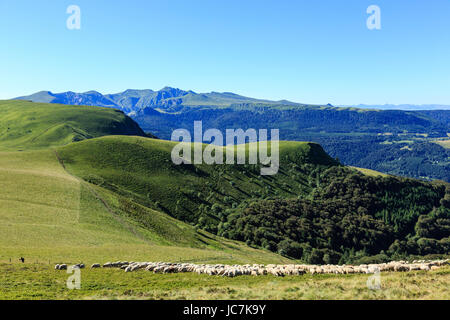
pixel 40 281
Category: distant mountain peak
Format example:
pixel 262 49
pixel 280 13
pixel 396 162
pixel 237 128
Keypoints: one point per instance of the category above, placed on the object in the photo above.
pixel 168 99
pixel 167 88
pixel 92 92
pixel 136 90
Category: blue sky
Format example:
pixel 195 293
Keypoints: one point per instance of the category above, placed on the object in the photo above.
pixel 304 51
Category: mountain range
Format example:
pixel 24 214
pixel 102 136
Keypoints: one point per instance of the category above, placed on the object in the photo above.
pixel 132 101
pixel 172 100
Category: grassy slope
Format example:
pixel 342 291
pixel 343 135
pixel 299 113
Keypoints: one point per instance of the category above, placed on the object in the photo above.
pixel 141 169
pixel 26 125
pixel 369 172
pixel 48 215
pixel 443 143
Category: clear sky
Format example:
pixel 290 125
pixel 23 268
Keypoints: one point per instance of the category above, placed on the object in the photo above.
pixel 304 51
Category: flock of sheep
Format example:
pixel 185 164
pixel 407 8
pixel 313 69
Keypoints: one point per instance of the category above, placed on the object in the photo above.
pixel 257 269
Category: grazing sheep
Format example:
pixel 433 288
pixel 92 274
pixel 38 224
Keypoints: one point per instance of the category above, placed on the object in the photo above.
pixel 271 269
pixel 425 267
pixel 434 268
pixel 414 267
pixel 401 268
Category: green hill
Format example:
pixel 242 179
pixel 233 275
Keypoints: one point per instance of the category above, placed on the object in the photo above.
pixel 314 209
pixel 142 169
pixel 25 125
pixel 46 214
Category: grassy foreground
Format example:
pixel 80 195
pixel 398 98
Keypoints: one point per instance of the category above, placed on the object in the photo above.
pixel 40 281
pixel 115 198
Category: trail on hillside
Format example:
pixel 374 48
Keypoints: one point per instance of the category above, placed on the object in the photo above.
pixel 105 204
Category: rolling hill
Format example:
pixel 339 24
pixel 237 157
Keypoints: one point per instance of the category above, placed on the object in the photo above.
pixel 312 208
pixel 142 169
pixel 46 214
pixel 26 125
